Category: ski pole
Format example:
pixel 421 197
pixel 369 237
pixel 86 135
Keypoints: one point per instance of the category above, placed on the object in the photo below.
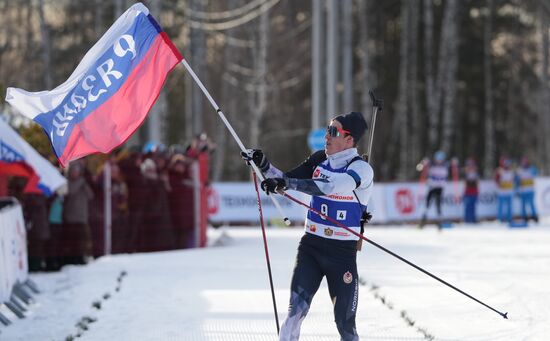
pixel 504 315
pixel 266 253
pixel 377 105
pixel 234 134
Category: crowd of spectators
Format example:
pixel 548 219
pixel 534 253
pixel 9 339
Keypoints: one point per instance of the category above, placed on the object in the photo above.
pixel 151 206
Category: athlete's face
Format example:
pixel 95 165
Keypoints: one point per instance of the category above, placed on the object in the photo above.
pixel 335 144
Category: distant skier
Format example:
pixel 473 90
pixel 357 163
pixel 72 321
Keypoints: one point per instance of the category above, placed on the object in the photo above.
pixel 526 180
pixel 471 190
pixel 340 183
pixel 504 178
pixel 437 175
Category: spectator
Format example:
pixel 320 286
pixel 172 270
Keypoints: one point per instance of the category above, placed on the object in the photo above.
pixel 471 191
pixel 526 180
pixel 157 233
pixel 55 219
pixel 181 200
pixel 76 229
pixel 137 198
pixel 200 150
pixel 38 235
pixel 97 207
pixel 200 144
pixel 504 178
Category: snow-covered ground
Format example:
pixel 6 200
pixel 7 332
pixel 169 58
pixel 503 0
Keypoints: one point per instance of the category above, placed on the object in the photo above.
pixel 222 292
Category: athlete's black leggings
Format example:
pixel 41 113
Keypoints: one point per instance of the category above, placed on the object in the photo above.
pixel 318 257
pixel 435 194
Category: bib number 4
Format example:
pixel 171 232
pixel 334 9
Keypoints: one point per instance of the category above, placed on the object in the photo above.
pixel 340 214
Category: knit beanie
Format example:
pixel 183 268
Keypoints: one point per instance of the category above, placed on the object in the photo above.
pixel 355 123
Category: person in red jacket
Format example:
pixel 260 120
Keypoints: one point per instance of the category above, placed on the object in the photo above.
pixel 471 191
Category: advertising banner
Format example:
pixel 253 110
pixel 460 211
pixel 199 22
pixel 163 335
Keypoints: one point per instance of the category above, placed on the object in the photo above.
pixel 390 202
pixel 237 202
pixel 13 250
pixel 542 196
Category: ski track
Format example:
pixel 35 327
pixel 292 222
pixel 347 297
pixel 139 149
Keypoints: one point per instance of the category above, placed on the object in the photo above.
pixel 222 292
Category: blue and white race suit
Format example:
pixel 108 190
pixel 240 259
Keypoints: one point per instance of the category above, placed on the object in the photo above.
pixel 340 186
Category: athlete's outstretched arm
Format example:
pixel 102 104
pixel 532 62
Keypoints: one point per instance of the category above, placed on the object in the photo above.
pixel 354 177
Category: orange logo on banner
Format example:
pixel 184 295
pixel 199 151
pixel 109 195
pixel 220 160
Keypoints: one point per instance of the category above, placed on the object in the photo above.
pixel 404 201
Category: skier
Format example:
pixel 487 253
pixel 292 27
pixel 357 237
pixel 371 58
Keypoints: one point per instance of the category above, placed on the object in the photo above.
pixel 471 191
pixel 504 177
pixel 340 184
pixel 438 172
pixel 526 179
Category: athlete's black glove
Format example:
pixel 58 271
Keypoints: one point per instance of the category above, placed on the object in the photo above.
pixel 272 185
pixel 368 217
pixel 256 156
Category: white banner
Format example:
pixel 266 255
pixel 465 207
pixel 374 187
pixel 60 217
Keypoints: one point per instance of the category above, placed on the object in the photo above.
pixel 237 202
pixel 542 196
pixel 407 201
pixel 13 250
pixel 390 202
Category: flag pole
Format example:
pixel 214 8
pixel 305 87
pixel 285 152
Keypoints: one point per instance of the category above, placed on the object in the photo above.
pixel 234 134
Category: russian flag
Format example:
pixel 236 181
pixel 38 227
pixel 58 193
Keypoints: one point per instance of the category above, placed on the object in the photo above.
pixel 109 94
pixel 18 158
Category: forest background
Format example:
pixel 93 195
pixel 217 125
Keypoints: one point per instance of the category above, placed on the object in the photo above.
pixel 466 77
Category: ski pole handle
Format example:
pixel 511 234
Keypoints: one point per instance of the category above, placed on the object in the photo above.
pixel 377 105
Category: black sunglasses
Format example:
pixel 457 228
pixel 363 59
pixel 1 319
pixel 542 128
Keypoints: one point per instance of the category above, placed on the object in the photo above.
pixel 334 131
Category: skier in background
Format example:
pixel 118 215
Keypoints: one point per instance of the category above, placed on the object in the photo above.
pixel 471 191
pixel 504 178
pixel 437 175
pixel 525 175
pixel 340 183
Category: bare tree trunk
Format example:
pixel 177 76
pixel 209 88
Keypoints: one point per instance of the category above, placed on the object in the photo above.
pixel 157 116
pixel 332 59
pixel 347 54
pixel 416 134
pixel 196 58
pixel 46 47
pixel 543 101
pixel 227 94
pixel 448 123
pixel 401 118
pixel 366 76
pixel 29 34
pixel 433 121
pixel 120 7
pixel 317 65
pixel 259 98
pixel 490 150
pixel 98 22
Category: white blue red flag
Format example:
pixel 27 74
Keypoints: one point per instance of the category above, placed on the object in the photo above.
pixel 17 157
pixel 111 91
